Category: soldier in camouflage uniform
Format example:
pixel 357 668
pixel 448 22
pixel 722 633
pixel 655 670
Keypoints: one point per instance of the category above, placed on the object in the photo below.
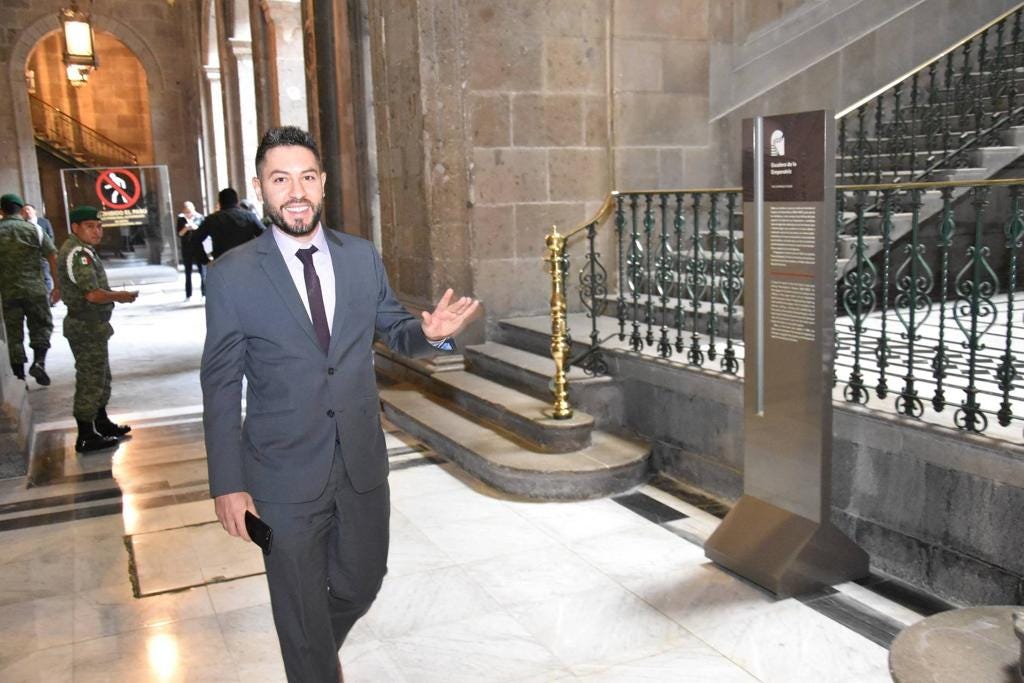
pixel 23 288
pixel 90 302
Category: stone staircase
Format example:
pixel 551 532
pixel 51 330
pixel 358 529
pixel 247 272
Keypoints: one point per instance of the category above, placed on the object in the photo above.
pixel 982 163
pixel 490 412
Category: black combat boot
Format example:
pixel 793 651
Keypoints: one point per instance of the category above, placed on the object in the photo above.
pixel 107 428
pixel 38 367
pixel 89 440
pixel 19 370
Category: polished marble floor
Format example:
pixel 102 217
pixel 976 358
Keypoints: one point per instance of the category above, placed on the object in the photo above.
pixel 113 568
pixel 117 571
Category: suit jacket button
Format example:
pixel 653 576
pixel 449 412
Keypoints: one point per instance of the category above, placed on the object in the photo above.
pixel 330 413
pixel 330 371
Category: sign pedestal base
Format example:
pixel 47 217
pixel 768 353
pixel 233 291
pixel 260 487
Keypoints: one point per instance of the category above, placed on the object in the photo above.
pixel 783 552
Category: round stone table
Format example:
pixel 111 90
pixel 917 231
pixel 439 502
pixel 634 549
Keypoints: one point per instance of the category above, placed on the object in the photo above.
pixel 975 644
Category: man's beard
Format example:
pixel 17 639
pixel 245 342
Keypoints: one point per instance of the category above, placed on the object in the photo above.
pixel 295 230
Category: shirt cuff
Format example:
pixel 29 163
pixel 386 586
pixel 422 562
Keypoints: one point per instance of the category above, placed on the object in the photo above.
pixel 445 344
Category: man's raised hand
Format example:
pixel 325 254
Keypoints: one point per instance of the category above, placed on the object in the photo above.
pixel 449 317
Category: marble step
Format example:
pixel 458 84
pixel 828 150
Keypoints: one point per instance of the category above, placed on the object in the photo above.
pixel 527 417
pixel 609 466
pixel 532 374
pixel 528 372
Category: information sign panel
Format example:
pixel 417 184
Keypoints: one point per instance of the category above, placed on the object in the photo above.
pixel 779 534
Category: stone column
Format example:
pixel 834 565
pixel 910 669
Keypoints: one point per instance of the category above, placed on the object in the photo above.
pixel 15 418
pixel 336 108
pixel 219 177
pixel 241 50
pixel 423 146
pixel 231 117
pixel 290 65
pixel 264 49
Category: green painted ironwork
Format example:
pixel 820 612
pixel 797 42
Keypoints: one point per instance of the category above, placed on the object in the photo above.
pixel 940 361
pixel 679 226
pixel 858 300
pixel 1007 372
pixel 912 305
pixel 696 284
pixel 665 266
pixel 635 275
pixel 731 280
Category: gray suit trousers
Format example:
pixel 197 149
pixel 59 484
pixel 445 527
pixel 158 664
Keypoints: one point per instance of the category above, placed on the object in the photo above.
pixel 327 562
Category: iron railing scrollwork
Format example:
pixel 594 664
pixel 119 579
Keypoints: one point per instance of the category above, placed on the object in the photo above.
pixel 926 318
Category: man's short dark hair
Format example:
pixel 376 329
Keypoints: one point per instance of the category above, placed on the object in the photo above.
pixel 281 137
pixel 227 198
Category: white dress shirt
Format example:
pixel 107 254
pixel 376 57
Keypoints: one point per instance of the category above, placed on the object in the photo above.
pixel 325 271
pixel 321 262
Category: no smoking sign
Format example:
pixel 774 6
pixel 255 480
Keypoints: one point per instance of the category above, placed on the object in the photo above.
pixel 118 188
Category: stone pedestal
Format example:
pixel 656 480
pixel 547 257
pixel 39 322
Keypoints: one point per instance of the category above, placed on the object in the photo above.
pixel 15 418
pixel 976 644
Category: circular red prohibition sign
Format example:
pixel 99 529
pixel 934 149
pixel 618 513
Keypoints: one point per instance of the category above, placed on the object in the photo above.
pixel 118 188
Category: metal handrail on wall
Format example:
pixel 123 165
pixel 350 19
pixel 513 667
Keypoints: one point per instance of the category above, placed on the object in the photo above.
pixel 936 116
pixel 934 311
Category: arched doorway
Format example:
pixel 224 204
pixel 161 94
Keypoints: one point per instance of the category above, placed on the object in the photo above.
pixel 106 122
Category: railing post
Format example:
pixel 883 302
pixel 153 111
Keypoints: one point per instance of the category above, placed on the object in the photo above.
pixel 561 410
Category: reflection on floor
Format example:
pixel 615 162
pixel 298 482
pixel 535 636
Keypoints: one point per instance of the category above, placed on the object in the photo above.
pixel 114 569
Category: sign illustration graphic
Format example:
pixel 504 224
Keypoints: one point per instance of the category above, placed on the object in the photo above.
pixel 118 188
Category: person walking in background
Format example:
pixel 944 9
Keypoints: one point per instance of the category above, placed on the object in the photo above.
pixel 23 289
pixel 230 226
pixel 90 302
pixel 295 312
pixel 29 213
pixel 192 253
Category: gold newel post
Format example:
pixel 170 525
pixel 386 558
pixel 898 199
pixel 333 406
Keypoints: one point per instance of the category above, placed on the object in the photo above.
pixel 559 346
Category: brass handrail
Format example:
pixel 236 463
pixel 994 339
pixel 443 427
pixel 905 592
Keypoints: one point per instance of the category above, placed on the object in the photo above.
pixel 609 203
pixel 922 66
pixel 561 409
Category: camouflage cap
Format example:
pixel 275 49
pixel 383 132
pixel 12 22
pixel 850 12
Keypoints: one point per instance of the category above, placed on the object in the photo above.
pixel 84 213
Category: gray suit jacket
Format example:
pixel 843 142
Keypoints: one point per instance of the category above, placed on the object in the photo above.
pixel 299 401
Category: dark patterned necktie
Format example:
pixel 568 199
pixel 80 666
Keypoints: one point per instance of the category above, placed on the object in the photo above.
pixel 316 297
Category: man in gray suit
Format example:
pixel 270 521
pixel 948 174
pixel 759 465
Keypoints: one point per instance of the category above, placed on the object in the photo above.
pixel 294 312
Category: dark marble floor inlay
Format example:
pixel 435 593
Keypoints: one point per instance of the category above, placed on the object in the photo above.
pixel 649 508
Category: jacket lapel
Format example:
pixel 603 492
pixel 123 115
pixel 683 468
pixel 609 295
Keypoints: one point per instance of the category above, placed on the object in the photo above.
pixel 342 289
pixel 273 265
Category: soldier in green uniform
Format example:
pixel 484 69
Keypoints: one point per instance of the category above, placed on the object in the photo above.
pixel 23 288
pixel 90 302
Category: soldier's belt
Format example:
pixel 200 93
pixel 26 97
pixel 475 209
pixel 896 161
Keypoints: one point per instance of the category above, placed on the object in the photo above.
pixel 90 316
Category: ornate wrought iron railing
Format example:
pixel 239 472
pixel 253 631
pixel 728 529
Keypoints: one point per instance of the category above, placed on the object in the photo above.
pixel 931 120
pixel 930 319
pixel 70 136
pixel 936 312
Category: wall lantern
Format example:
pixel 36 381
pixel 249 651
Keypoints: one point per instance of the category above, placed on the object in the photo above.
pixel 79 48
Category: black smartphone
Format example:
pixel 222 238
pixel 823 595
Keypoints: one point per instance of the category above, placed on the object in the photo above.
pixel 258 531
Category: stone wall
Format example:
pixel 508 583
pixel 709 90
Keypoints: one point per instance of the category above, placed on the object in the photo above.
pixel 161 35
pixel 115 102
pixel 497 120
